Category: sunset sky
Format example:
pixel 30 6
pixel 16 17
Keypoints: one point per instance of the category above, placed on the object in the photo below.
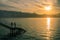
pixel 34 6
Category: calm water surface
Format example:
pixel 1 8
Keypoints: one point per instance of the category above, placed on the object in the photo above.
pixel 37 28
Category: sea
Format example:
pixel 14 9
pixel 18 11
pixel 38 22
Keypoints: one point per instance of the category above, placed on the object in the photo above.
pixel 36 28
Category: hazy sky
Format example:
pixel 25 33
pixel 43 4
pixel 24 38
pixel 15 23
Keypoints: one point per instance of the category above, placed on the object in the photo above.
pixel 27 5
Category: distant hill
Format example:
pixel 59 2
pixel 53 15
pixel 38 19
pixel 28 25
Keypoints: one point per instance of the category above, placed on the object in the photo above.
pixel 7 14
pixel 57 15
pixel 15 14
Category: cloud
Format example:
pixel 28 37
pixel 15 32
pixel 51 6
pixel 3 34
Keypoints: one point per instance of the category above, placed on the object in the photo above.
pixel 25 5
pixel 18 4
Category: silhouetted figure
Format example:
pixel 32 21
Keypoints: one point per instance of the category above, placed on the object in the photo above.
pixel 13 24
pixel 14 31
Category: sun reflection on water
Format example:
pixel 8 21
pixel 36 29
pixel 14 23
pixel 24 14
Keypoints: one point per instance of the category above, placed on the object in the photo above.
pixel 48 28
pixel 48 23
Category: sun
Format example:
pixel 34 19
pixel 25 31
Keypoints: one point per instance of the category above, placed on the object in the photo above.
pixel 47 8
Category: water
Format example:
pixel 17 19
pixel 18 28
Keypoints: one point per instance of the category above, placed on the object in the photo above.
pixel 37 28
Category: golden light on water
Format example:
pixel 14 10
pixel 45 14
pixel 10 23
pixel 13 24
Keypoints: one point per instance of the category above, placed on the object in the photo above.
pixel 48 23
pixel 48 28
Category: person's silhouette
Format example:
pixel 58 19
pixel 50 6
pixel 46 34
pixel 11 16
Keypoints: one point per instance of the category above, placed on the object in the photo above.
pixel 12 30
pixel 13 24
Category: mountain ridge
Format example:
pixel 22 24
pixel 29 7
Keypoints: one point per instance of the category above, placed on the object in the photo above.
pixel 19 14
pixel 7 14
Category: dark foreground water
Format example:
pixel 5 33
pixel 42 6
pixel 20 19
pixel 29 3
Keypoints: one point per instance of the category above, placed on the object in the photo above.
pixel 37 28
